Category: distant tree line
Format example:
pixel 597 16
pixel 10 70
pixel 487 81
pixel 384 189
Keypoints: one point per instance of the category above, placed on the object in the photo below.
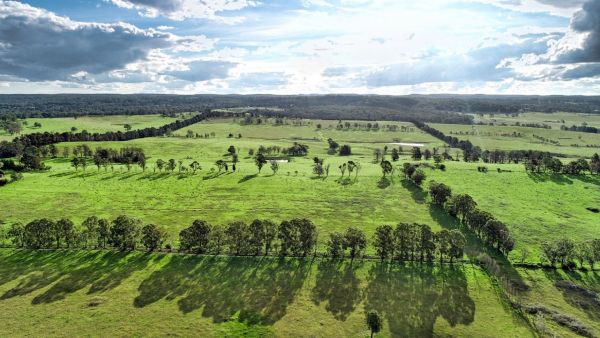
pixel 554 165
pixel 14 148
pixel 582 128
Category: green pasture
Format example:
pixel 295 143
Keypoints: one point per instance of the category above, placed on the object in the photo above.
pixel 569 143
pixel 93 124
pixel 555 120
pixel 66 294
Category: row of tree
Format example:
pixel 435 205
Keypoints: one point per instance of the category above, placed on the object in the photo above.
pixel 554 165
pixel 462 206
pixel 11 149
pixel 565 251
pixel 295 237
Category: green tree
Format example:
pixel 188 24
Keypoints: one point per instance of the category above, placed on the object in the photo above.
pixel 195 238
pixel 374 322
pixel 384 241
pixel 260 161
pixel 256 239
pixel 237 237
pixel 457 244
pixel 38 234
pixel 355 241
pixel 418 177
pixel 439 192
pixel 386 167
pixel 124 233
pixel 90 226
pixel 152 237
pixel 335 245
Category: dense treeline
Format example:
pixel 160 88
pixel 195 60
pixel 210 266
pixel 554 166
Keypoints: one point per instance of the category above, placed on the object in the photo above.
pixel 583 129
pixel 295 237
pixel 473 153
pixel 16 147
pixel 431 107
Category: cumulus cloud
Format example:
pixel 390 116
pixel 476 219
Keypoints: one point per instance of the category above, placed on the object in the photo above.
pixel 38 45
pixel 200 70
pixel 481 64
pixel 260 79
pixel 184 9
pixel 563 3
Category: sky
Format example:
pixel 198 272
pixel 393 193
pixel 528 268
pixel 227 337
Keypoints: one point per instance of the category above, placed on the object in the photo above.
pixel 393 47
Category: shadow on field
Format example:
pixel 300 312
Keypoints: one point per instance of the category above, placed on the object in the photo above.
pixel 579 289
pixel 383 183
pixel 412 297
pixel 417 193
pixel 547 177
pixel 259 289
pixel 499 266
pixel 63 174
pixel 337 285
pixel 68 271
pixel 247 178
pixel 154 176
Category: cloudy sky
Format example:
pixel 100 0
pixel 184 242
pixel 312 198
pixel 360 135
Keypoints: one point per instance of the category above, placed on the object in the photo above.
pixel 300 46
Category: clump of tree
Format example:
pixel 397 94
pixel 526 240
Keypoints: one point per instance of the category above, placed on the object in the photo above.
pixel 565 251
pixel 412 173
pixel 297 149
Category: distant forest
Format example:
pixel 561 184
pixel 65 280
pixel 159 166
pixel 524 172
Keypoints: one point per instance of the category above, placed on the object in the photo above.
pixel 426 108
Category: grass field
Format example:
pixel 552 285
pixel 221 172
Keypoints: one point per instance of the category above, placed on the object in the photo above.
pixel 555 120
pixel 536 207
pixel 115 294
pixel 223 296
pixel 571 144
pixel 93 124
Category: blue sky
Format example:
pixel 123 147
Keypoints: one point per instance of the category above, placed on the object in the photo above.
pixel 300 46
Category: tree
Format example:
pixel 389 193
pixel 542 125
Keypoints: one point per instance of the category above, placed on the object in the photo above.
pixel 345 150
pixel 13 127
pixel 103 233
pixel 90 226
pixel 231 150
pixel 333 146
pixel 416 153
pixel 443 239
pixel 152 237
pixel 38 234
pixel 237 237
pixel 461 205
pixel 75 163
pixel 220 165
pixel 274 166
pixel 216 237
pixel 256 239
pixel 395 155
pixel 343 167
pixel 355 241
pixel 439 192
pixel 457 244
pixel 196 237
pixel 418 177
pixel 384 241
pixel 171 165
pixel 64 229
pixel 335 245
pixel 15 233
pixel 408 169
pixel 127 126
pixel 124 233
pixel 374 322
pixel 195 166
pixel 190 134
pixel 425 242
pixel 260 161
pixel 386 167
pixel 160 164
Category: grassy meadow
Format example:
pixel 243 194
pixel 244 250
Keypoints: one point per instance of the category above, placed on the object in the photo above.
pixel 568 143
pixel 555 120
pixel 93 124
pixel 87 293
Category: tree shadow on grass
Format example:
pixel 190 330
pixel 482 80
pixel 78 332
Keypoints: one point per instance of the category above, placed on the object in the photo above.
pixel 213 175
pixel 412 297
pixel 67 272
pixel 63 174
pixel 247 178
pixel 576 289
pixel 545 177
pixel 154 176
pixel 417 193
pixel 127 176
pixel 500 267
pixel 337 285
pixel 383 183
pixel 258 289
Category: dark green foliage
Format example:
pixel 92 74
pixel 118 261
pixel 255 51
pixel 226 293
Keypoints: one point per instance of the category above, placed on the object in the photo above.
pixel 152 237
pixel 196 237
pixel 124 233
